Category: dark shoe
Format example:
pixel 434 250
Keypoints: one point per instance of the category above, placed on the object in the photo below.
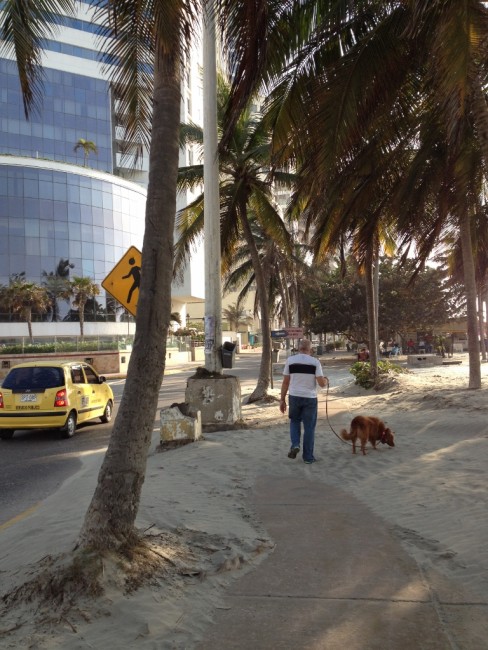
pixel 293 452
pixel 309 462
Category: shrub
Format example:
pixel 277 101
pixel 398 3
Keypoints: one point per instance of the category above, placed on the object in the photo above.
pixel 362 371
pixel 59 347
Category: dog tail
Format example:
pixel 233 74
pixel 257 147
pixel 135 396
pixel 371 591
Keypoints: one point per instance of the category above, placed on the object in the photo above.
pixel 345 435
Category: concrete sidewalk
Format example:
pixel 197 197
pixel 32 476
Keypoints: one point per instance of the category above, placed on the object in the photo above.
pixel 339 579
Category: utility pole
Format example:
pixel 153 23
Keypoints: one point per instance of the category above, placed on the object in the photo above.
pixel 213 288
pixel 216 397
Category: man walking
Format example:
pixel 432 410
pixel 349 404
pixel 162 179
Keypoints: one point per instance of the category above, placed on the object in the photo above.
pixel 301 375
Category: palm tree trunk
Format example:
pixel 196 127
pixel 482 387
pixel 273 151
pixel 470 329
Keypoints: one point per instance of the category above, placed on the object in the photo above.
pixel 81 315
pixel 262 295
pixel 285 297
pixel 371 309
pixel 28 317
pixel 377 287
pixel 470 288
pixel 481 322
pixel 110 519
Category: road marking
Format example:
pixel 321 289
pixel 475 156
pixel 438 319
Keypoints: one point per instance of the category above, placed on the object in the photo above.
pixel 18 518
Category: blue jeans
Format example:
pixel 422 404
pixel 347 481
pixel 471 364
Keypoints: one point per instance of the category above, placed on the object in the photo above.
pixel 303 409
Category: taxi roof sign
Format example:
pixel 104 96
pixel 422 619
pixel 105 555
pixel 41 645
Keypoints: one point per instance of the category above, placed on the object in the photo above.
pixel 124 280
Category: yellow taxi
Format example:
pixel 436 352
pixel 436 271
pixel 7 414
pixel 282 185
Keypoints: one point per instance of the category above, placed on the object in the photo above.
pixel 53 394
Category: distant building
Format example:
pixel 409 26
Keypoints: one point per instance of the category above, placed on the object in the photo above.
pixel 52 206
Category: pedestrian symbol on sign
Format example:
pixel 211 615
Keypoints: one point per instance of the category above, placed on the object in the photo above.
pixel 135 274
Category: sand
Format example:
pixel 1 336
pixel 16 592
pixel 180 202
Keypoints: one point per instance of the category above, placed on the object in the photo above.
pixel 431 488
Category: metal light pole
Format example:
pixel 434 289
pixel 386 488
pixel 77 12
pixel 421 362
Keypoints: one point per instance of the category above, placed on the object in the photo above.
pixel 213 290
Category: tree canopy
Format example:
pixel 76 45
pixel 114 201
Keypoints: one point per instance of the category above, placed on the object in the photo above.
pixel 339 302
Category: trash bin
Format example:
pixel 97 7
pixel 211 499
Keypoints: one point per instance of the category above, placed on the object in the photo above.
pixel 275 356
pixel 320 349
pixel 228 353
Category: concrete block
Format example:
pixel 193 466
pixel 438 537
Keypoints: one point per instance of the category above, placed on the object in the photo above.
pixel 423 360
pixel 178 424
pixel 217 397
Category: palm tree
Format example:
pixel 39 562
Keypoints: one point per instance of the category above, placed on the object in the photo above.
pixel 236 316
pixel 88 147
pixel 150 42
pixel 150 46
pixel 455 264
pixel 246 197
pixel 287 274
pixel 24 297
pixel 82 289
pixel 411 76
pixel 57 285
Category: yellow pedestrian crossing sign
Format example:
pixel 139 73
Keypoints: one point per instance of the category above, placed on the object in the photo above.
pixel 124 280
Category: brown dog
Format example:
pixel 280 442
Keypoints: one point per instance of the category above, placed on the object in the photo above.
pixel 368 428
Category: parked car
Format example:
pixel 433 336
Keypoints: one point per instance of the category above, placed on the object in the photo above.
pixel 53 394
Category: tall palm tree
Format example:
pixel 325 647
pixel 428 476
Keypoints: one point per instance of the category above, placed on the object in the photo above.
pixel 150 45
pixel 454 261
pixel 57 285
pixel 150 41
pixel 82 289
pixel 412 74
pixel 24 297
pixel 287 274
pixel 246 196
pixel 88 147
pixel 236 316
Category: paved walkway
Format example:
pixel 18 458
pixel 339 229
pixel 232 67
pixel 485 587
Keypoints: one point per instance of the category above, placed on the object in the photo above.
pixel 339 579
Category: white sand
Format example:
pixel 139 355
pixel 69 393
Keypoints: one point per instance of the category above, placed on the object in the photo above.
pixel 431 487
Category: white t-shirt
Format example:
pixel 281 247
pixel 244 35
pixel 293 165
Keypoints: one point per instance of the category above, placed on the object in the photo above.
pixel 302 370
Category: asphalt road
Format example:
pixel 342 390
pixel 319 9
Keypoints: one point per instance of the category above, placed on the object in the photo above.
pixel 33 464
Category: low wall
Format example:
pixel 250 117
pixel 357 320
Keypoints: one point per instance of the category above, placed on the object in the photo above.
pixel 108 362
pixel 105 363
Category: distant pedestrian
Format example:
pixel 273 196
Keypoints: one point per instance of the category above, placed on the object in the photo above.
pixel 301 375
pixel 395 350
pixel 363 354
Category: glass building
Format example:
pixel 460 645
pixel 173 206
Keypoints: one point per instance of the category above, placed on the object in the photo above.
pixel 56 203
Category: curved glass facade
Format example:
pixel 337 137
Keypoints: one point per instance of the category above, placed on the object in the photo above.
pixel 48 214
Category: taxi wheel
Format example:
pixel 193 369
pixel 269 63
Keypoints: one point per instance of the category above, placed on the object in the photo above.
pixel 68 431
pixel 6 434
pixel 107 414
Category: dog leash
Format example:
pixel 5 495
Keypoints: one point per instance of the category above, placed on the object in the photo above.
pixel 327 418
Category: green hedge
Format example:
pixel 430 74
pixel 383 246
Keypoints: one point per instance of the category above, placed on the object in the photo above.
pixel 44 348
